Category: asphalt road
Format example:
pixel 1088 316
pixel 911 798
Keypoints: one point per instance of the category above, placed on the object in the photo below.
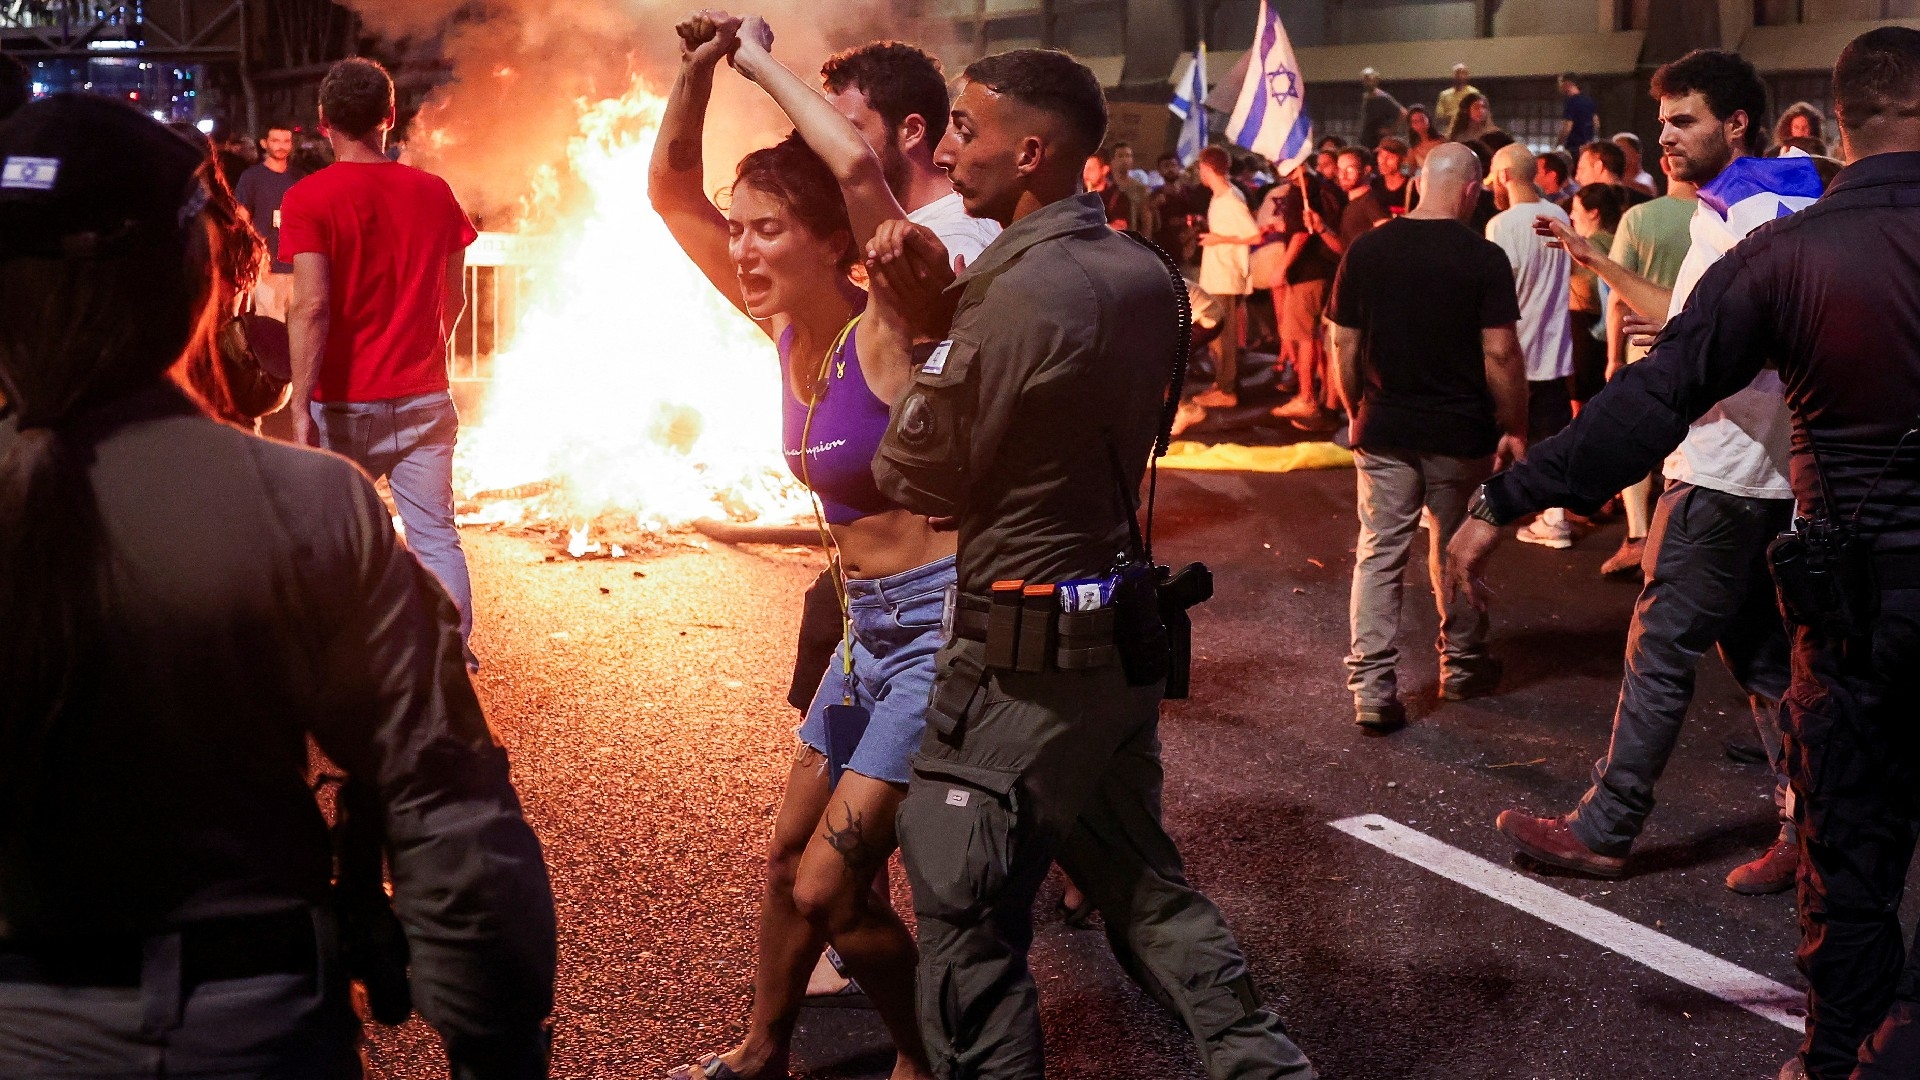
pixel 644 706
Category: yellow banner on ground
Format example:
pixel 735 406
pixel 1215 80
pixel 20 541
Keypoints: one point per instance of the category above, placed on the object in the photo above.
pixel 1232 457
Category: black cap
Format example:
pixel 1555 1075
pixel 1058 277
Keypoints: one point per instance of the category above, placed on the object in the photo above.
pixel 80 174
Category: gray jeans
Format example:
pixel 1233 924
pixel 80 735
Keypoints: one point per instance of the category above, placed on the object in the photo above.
pixel 1707 586
pixel 1398 490
pixel 270 1027
pixel 409 441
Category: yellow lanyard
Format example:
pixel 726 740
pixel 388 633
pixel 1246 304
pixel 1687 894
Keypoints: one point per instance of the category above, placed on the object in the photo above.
pixel 819 392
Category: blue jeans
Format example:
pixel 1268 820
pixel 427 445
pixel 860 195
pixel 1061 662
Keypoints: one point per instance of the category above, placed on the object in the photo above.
pixel 896 632
pixel 409 441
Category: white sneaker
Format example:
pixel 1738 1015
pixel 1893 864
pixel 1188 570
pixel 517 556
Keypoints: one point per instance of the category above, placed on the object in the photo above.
pixel 1548 534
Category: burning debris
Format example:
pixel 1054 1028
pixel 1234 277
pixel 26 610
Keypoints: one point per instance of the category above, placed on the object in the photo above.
pixel 629 395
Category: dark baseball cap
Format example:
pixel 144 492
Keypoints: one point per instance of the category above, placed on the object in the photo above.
pixel 82 174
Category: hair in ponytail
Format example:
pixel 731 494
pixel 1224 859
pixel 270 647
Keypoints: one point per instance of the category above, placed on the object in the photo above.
pixel 74 334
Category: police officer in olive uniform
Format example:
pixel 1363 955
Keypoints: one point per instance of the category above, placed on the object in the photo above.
pixel 182 607
pixel 1032 425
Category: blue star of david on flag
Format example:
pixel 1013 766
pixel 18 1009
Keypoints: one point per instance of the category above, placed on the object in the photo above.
pixel 1270 116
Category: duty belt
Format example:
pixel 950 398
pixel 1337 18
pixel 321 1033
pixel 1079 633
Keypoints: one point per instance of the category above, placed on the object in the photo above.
pixel 1024 629
pixel 210 951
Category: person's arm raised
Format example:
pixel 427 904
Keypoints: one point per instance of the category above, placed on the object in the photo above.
pixel 863 183
pixel 675 176
pixel 1639 294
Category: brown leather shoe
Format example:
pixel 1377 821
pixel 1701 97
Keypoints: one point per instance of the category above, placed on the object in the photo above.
pixel 1551 841
pixel 1772 872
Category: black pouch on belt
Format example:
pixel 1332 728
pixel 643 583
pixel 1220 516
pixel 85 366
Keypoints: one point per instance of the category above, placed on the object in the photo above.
pixel 1039 609
pixel 1003 624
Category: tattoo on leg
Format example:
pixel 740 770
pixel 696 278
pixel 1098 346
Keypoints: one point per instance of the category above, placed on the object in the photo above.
pixel 851 842
pixel 683 155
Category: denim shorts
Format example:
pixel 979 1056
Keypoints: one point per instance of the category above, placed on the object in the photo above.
pixel 896 632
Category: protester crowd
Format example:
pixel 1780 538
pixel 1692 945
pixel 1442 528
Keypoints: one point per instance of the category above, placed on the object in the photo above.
pixel 978 691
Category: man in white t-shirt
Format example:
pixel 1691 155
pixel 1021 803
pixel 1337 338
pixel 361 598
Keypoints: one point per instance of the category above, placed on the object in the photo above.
pixel 896 96
pixel 1727 497
pixel 1226 272
pixel 1540 273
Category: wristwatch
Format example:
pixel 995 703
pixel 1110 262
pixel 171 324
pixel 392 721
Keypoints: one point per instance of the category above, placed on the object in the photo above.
pixel 1480 507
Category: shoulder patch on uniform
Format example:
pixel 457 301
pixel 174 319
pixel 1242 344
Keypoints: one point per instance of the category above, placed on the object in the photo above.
pixel 937 361
pixel 29 173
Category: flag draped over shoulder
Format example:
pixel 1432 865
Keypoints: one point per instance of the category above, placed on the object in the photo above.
pixel 1753 191
pixel 1190 105
pixel 1270 117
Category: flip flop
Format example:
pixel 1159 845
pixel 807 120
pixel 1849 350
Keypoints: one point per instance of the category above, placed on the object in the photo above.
pixel 849 996
pixel 712 1068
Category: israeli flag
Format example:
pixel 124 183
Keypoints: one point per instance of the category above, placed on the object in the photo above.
pixel 1270 117
pixel 1190 105
pixel 1752 191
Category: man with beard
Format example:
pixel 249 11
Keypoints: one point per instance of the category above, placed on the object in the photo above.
pixel 1828 295
pixel 896 96
pixel 1727 497
pixel 1031 424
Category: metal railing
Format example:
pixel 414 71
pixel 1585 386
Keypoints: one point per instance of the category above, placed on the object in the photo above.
pixel 496 281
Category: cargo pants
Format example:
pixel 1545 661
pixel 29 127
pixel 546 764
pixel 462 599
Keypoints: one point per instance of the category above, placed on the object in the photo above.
pixel 1059 766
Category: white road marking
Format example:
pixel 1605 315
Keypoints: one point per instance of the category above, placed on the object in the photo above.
pixel 1731 983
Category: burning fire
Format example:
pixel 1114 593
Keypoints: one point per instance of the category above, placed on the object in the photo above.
pixel 630 387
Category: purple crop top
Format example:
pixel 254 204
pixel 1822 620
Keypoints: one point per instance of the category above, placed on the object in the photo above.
pixel 848 424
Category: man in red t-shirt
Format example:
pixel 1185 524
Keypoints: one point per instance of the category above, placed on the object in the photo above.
pixel 378 253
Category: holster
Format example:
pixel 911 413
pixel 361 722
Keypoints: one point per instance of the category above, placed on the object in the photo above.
pixel 372 942
pixel 1823 576
pixel 1179 592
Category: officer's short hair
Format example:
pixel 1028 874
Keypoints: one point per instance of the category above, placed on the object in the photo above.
pixel 1612 158
pixel 1729 83
pixel 899 80
pixel 1053 82
pixel 356 96
pixel 1878 75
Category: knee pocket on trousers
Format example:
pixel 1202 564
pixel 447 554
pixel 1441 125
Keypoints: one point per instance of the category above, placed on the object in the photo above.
pixel 957 828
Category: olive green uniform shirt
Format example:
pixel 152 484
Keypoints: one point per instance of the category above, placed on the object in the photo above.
pixel 1032 425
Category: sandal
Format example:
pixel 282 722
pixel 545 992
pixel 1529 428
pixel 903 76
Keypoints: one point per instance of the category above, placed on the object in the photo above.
pixel 849 996
pixel 712 1068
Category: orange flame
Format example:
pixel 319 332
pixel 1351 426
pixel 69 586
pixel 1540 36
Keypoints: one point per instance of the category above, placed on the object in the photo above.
pixel 630 385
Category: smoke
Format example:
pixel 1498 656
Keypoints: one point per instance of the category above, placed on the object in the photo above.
pixel 520 70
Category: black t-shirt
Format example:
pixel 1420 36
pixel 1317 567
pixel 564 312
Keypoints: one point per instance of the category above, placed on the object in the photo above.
pixel 1360 217
pixel 1420 292
pixel 260 190
pixel 1396 202
pixel 1316 261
